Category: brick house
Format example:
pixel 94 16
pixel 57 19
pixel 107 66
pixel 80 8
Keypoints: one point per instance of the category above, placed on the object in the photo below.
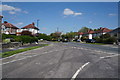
pixel 8 28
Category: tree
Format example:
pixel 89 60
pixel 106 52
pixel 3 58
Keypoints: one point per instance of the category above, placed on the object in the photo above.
pixel 44 36
pixel 56 35
pixel 84 29
pixel 69 35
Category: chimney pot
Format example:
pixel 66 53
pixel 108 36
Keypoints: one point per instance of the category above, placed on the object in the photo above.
pixel 33 23
pixel 5 22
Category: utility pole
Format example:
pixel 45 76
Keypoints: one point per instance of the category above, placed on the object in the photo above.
pixel 37 23
pixel 57 29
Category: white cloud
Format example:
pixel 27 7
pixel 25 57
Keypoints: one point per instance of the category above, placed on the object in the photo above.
pixel 68 11
pixel 11 9
pixel 77 14
pixel 25 12
pixel 90 22
pixel 112 14
pixel 19 24
pixel 12 12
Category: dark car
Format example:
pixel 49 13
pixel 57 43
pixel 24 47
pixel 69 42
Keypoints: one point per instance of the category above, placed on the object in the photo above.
pixel 65 40
pixel 90 41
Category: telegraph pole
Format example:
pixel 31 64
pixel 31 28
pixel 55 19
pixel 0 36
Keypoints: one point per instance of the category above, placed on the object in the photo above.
pixel 37 23
pixel 57 29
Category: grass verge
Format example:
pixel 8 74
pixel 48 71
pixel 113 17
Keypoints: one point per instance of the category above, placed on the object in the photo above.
pixel 97 43
pixel 9 53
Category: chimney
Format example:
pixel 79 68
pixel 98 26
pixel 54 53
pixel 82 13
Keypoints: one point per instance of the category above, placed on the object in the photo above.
pixel 101 28
pixel 33 23
pixel 5 22
pixel 1 16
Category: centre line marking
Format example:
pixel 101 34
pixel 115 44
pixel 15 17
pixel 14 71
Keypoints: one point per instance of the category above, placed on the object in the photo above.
pixel 77 72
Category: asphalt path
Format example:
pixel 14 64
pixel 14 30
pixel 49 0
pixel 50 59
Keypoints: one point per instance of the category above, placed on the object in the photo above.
pixel 64 60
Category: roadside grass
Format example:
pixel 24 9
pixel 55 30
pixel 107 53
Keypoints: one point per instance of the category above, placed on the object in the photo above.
pixel 9 53
pixel 97 43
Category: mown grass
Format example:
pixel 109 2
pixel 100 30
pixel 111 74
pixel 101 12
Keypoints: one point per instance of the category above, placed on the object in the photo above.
pixel 97 43
pixel 9 53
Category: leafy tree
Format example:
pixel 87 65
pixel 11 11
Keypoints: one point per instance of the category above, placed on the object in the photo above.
pixel 56 35
pixel 69 35
pixel 84 29
pixel 44 36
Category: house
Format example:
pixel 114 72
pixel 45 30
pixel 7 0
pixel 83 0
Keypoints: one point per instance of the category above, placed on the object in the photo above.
pixel 8 28
pixel 80 34
pixel 101 31
pixel 31 28
pixel 90 33
pixel 115 33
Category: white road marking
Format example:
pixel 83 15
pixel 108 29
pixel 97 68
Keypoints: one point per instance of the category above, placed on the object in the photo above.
pixel 77 72
pixel 110 56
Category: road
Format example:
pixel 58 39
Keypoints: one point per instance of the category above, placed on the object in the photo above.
pixel 64 60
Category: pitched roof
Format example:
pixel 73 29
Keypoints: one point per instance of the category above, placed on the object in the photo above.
pixel 30 26
pixel 90 32
pixel 103 30
pixel 9 25
pixel 80 33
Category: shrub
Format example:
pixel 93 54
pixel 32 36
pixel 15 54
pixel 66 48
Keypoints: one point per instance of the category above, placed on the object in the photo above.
pixel 26 39
pixel 106 40
pixel 44 37
pixel 109 40
pixel 83 38
pixel 98 40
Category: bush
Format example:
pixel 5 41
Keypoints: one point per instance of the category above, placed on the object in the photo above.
pixel 83 38
pixel 44 36
pixel 106 40
pixel 98 40
pixel 23 38
pixel 26 39
pixel 4 36
pixel 109 40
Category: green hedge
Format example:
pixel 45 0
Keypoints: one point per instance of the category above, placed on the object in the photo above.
pixel 108 40
pixel 23 38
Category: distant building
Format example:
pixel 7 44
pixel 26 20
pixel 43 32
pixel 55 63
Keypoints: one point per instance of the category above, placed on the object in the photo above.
pixel 90 33
pixel 115 33
pixel 31 28
pixel 8 28
pixel 101 31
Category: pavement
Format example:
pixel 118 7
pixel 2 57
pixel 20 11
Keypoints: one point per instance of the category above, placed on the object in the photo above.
pixel 64 60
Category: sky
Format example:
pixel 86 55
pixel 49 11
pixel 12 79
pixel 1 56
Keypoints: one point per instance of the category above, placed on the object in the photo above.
pixel 66 16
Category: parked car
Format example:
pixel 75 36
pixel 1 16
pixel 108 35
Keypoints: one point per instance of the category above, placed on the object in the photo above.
pixel 65 40
pixel 90 41
pixel 118 42
pixel 78 40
